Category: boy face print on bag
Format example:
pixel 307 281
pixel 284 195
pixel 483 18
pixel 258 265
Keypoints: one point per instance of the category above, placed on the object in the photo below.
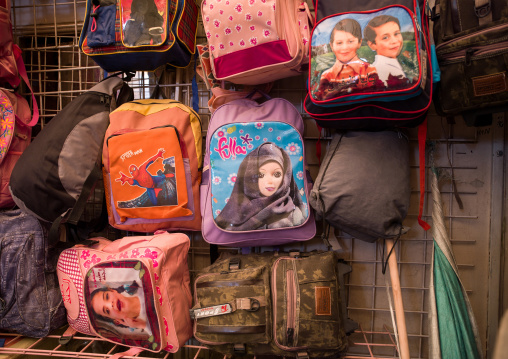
pixel 386 56
pixel 257 179
pixel 346 43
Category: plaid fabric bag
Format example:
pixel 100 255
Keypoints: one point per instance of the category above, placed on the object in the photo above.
pixel 139 35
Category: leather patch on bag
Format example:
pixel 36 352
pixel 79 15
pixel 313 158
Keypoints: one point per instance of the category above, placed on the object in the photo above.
pixel 489 84
pixel 323 301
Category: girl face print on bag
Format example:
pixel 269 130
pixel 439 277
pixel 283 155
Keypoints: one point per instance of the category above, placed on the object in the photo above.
pixel 257 177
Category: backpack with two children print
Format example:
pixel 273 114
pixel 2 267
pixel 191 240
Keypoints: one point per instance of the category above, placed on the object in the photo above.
pixel 255 183
pixel 369 65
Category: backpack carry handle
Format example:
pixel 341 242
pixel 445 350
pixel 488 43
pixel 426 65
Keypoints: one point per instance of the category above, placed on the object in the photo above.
pixel 256 90
pixel 22 72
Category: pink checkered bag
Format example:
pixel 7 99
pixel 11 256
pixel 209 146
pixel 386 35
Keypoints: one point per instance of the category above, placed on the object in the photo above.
pixel 134 291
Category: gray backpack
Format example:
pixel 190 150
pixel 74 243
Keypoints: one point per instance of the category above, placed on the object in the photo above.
pixel 56 174
pixel 30 299
pixel 363 184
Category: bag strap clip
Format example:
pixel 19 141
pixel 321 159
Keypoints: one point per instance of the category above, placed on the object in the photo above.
pixel 482 10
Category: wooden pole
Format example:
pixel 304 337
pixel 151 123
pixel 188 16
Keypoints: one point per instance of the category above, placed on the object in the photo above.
pixel 397 299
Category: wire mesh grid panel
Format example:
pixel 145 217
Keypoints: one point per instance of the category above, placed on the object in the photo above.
pixel 48 32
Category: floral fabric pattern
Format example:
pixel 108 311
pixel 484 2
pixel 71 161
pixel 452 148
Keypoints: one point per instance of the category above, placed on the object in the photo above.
pixel 236 25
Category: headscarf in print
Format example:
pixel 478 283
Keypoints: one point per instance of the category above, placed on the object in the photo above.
pixel 247 209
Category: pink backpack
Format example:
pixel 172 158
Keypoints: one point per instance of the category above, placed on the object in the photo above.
pixel 16 119
pixel 134 291
pixel 257 41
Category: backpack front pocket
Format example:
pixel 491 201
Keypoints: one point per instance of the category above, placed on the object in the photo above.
pixel 242 299
pixel 120 302
pixel 101 25
pixel 257 177
pixel 144 22
pixel 306 305
pixel 148 175
pixel 359 56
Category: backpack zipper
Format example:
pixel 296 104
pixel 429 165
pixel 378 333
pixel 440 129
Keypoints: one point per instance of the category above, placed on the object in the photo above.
pixel 474 53
pixel 480 34
pixel 291 306
pixel 126 130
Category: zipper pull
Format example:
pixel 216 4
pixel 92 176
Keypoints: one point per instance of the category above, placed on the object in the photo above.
pixel 290 335
pixel 469 54
pixel 105 99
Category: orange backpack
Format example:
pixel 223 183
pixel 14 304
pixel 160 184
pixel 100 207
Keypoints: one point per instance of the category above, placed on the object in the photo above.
pixel 152 159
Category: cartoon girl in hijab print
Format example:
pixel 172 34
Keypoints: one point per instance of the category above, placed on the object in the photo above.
pixel 265 195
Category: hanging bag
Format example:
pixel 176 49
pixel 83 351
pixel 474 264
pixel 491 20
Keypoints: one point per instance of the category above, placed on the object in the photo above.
pixel 363 184
pixel 284 304
pixel 255 42
pixel 382 78
pixel 134 291
pixel 255 183
pixel 139 35
pixel 55 175
pixel 153 159
pixel 30 299
pixel 472 50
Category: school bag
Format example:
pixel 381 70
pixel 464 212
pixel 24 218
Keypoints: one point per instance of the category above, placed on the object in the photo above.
pixel 55 175
pixel 15 115
pixel 363 184
pixel 30 299
pixel 256 41
pixel 134 291
pixel 242 203
pixel 471 49
pixel 16 123
pixel 285 304
pixel 153 160
pixel 382 81
pixel 139 35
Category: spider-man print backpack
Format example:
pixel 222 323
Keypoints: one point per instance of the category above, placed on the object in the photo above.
pixel 134 291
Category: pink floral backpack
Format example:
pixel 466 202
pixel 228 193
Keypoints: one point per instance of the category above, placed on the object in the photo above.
pixel 257 41
pixel 134 291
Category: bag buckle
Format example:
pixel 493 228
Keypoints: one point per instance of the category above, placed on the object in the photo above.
pixel 234 264
pixel 254 305
pixel 483 10
pixel 435 13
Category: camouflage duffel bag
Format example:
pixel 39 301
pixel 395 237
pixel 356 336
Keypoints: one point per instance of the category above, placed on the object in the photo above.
pixel 289 304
